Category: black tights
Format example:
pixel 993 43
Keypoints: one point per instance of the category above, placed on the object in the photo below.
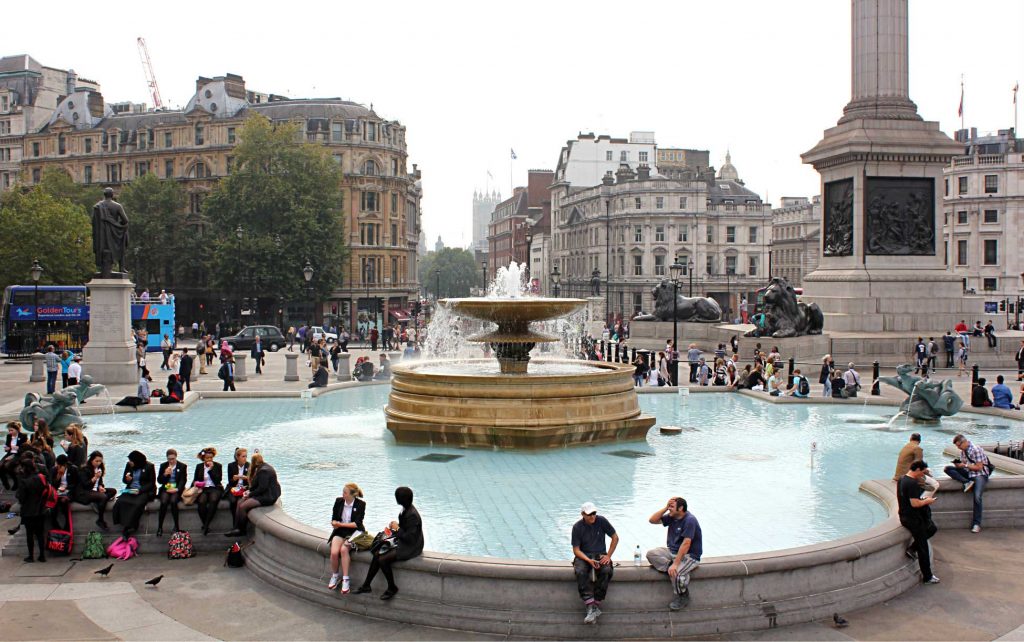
pixel 99 500
pixel 383 563
pixel 34 531
pixel 171 500
pixel 206 505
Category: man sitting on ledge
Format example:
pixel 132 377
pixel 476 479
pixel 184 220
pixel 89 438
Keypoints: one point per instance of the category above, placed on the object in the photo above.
pixel 592 562
pixel 320 377
pixel 682 554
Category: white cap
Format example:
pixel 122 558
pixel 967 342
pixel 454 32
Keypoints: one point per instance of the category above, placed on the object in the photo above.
pixel 588 508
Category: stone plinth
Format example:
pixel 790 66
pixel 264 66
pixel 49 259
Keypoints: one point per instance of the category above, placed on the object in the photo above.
pixel 291 366
pixel 344 368
pixel 38 368
pixel 240 371
pixel 109 356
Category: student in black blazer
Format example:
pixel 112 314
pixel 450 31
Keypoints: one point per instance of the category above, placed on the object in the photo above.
pixel 75 445
pixel 172 479
pixel 65 479
pixel 91 490
pixel 13 444
pixel 208 477
pixel 264 490
pixel 238 478
pixel 33 512
pixel 139 489
pixel 347 521
pixel 408 534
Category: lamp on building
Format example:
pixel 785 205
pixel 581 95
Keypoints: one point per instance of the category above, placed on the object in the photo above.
pixel 36 272
pixel 689 270
pixel 307 274
pixel 676 271
pixel 556 280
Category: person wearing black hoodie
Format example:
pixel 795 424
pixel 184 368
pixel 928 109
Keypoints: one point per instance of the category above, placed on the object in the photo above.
pixel 15 441
pixel 139 489
pixel 408 534
pixel 33 512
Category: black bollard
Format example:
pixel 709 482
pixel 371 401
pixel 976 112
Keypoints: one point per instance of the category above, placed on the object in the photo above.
pixel 633 358
pixel 789 376
pixel 608 353
pixel 875 386
pixel 974 374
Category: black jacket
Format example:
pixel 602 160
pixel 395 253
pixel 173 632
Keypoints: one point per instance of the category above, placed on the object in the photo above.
pixel 185 365
pixel 265 487
pixel 30 496
pixel 78 454
pixel 358 513
pixel 85 474
pixel 1020 357
pixel 410 533
pixel 180 475
pixel 74 480
pixel 147 484
pixel 215 474
pixel 22 438
pixel 232 471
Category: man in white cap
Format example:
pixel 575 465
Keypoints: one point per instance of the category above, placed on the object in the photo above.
pixel 593 561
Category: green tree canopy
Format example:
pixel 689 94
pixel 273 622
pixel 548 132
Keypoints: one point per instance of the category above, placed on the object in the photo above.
pixel 286 197
pixel 58 184
pixel 459 272
pixel 162 253
pixel 35 225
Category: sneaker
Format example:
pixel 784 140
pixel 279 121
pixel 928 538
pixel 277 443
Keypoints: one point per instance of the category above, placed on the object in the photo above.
pixel 345 586
pixel 597 613
pixel 680 602
pixel 975 529
pixel 968 486
pixel 934 579
pixel 591 615
pixel 333 584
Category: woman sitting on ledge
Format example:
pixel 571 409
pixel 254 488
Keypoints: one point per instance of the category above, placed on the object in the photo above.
pixel 139 488
pixel 348 535
pixel 408 543
pixel 264 490
pixel 208 476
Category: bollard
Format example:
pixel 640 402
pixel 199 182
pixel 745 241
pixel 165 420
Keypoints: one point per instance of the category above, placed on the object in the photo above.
pixel 674 372
pixel 291 366
pixel 633 358
pixel 617 353
pixel 789 375
pixel 608 353
pixel 38 367
pixel 875 373
pixel 344 370
pixel 240 359
pixel 974 375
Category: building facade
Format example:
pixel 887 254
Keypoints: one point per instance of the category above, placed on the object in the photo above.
pixel 484 203
pixel 633 226
pixel 516 222
pixel 983 230
pixel 381 204
pixel 796 235
pixel 29 94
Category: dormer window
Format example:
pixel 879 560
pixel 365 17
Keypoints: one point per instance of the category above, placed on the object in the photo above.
pixel 371 131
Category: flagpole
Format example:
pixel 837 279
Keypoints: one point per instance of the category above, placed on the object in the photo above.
pixel 1016 87
pixel 961 101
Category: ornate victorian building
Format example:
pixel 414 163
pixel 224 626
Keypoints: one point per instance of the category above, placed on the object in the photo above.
pixel 194 147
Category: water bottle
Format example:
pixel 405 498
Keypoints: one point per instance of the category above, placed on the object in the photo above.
pixel 636 556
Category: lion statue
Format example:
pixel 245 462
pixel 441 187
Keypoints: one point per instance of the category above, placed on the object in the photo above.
pixel 784 316
pixel 695 310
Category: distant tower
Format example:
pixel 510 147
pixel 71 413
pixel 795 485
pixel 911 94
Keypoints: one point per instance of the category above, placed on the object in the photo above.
pixel 483 205
pixel 439 245
pixel 728 171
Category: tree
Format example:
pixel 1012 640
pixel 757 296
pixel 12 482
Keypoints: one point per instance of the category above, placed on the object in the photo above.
pixel 286 197
pixel 58 184
pixel 459 272
pixel 35 225
pixel 162 254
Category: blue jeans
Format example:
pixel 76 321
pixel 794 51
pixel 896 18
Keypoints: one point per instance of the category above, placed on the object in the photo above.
pixel 51 381
pixel 979 487
pixel 827 390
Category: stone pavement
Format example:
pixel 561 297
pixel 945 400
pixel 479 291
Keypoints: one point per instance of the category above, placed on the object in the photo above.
pixel 200 599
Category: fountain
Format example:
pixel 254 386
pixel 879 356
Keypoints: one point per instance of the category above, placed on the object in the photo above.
pixel 550 404
pixel 926 400
pixel 61 408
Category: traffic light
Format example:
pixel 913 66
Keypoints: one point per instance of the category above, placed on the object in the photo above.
pixel 1002 305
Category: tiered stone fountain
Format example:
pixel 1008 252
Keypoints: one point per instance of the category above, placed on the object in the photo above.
pixel 467 403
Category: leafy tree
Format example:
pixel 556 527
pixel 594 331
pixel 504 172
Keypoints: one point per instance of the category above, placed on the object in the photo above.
pixel 459 272
pixel 161 252
pixel 286 197
pixel 35 225
pixel 58 184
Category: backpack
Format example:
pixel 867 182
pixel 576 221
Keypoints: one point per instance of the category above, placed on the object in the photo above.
pixel 60 542
pixel 222 374
pixel 49 493
pixel 123 549
pixel 180 546
pixel 94 549
pixel 803 387
pixel 234 558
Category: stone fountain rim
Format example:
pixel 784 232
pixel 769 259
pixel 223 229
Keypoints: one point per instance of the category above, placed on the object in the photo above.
pixel 600 370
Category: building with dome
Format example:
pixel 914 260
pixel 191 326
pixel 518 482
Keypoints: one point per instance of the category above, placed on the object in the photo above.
pixel 95 144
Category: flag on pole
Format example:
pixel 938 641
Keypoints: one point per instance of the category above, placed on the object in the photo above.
pixel 1015 88
pixel 513 153
pixel 960 111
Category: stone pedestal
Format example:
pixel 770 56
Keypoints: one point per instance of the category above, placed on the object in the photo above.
pixel 344 369
pixel 240 374
pixel 291 366
pixel 596 314
pixel 109 356
pixel 38 367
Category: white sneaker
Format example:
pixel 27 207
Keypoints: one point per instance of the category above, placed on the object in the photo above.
pixel 345 587
pixel 975 529
pixel 934 579
pixel 591 615
pixel 968 486
pixel 333 584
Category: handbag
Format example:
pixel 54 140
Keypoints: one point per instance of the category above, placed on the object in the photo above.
pixel 60 542
pixel 382 544
pixel 190 495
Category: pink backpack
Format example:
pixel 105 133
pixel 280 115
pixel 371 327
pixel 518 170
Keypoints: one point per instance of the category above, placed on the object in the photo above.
pixel 123 549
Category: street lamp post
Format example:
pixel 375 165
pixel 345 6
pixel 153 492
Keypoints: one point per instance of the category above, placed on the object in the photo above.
pixel 556 279
pixel 36 272
pixel 437 280
pixel 689 269
pixel 728 295
pixel 239 233
pixel 676 270
pixel 529 242
pixel 483 269
pixel 307 274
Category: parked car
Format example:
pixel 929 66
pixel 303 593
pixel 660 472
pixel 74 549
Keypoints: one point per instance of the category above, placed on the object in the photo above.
pixel 320 333
pixel 271 336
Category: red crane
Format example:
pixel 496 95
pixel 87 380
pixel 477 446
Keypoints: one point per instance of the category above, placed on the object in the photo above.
pixel 147 67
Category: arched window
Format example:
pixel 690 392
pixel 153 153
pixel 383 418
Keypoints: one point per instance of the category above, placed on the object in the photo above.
pixel 198 170
pixel 370 168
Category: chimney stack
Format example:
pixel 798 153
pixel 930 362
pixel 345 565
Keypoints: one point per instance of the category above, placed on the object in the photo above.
pixel 608 179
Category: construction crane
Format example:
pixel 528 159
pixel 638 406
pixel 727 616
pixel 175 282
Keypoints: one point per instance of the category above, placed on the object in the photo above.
pixel 147 68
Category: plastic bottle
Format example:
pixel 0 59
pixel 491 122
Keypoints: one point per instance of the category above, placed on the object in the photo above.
pixel 636 556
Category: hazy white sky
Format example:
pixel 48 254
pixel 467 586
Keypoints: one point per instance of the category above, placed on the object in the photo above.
pixel 471 80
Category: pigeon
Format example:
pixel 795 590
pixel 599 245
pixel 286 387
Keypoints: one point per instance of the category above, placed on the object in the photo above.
pixel 104 571
pixel 156 580
pixel 840 622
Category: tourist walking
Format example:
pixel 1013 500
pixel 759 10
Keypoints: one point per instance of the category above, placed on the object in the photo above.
pixel 171 480
pixel 65 363
pixel 348 534
pixel 921 357
pixel 257 354
pixel 961 358
pixel 407 543
pixel 75 372
pixel 238 479
pixel 910 453
pixel 264 490
pixel 592 561
pixel 682 551
pixel 916 517
pixel 139 489
pixel 165 347
pixel 971 469
pixel 227 372
pixel 92 491
pixel 933 353
pixel 31 486
pixel 185 369
pixel 949 345
pixel 208 476
pixel 825 377
pixel 52 361
pixel 693 357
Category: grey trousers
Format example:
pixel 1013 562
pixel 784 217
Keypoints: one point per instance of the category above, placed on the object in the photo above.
pixel 661 558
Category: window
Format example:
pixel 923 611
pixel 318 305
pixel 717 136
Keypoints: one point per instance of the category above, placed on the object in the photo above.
pixel 35 175
pixel 709 264
pixel 659 234
pixel 989 284
pixel 87 174
pixel 638 265
pixel 947 187
pixel 88 145
pixel 991 184
pixel 659 202
pixel 730 265
pixel 5 103
pixel 168 139
pixel 711 234
pixel 370 202
pixel 753 234
pixel 643 157
pixel 684 234
pixel 371 131
pixel 609 155
pixel 394 167
pixel 962 185
pixel 991 216
pixel 337 132
pixel 199 171
pixel 684 261
pixel 141 168
pixel 231 135
pixel 638 302
pixel 229 164
pixel 62 144
pixel 991 252
pixel 730 234
pixel 622 265
pixel 336 158
pixel 752 266
pixel 35 150
pixel 638 234
pixel 659 265
pixel 623 157
pixel 394 270
pixel 637 202
pixel 113 172
pixel 394 234
pixel 199 135
pixel 961 252
pixel 961 217
pixel 195 202
pixel 682 202
pixel 168 169
pixel 5 127
pixel 370 168
pixel 394 203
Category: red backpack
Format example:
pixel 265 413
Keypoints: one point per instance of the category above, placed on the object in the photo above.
pixel 49 493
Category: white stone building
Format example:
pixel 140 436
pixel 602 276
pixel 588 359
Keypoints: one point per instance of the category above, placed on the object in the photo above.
pixel 796 236
pixel 983 230
pixel 586 160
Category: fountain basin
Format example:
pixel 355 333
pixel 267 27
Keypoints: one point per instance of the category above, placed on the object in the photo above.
pixel 594 403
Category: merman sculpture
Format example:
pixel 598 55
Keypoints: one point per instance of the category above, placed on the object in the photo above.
pixel 927 400
pixel 61 408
